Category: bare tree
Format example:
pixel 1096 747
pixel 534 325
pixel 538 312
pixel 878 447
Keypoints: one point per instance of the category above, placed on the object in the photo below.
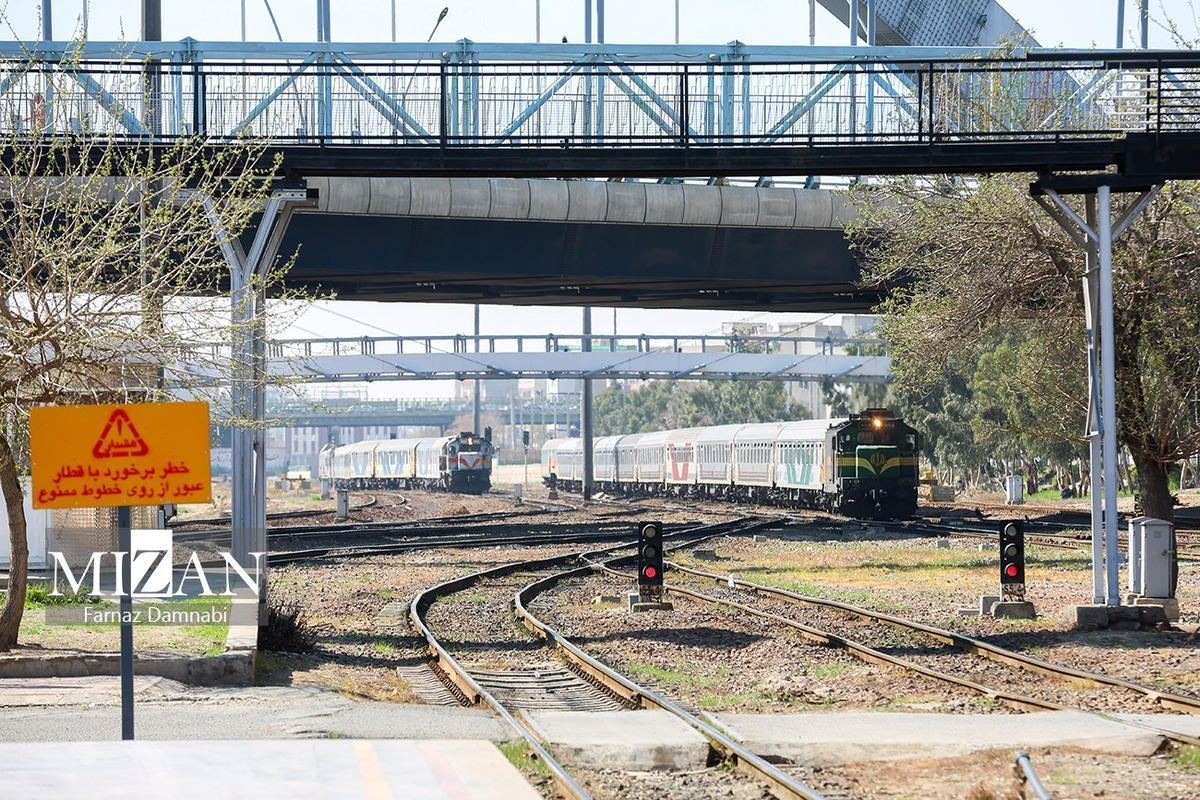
pixel 105 268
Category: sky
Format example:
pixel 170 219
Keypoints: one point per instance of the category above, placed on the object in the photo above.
pixel 1065 23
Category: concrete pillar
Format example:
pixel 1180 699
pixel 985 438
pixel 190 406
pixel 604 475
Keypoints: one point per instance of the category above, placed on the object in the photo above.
pixel 585 426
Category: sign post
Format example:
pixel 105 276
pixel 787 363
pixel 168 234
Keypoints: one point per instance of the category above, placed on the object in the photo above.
pixel 122 456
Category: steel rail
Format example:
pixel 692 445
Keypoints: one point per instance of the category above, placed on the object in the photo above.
pixel 1022 702
pixel 462 679
pixel 780 783
pixel 470 688
pixel 362 551
pixel 1182 703
pixel 870 654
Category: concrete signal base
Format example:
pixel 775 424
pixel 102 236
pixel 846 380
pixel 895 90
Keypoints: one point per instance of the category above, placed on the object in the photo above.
pixel 1169 605
pixel 1119 618
pixel 991 605
pixel 1014 609
pixel 645 602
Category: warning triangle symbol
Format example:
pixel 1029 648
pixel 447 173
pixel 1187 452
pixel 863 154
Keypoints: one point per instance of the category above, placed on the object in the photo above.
pixel 120 438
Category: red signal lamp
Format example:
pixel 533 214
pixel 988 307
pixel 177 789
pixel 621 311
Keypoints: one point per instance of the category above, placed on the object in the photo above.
pixel 1011 570
pixel 650 572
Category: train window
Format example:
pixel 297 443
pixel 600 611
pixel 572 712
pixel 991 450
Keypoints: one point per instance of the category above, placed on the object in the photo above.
pixel 910 441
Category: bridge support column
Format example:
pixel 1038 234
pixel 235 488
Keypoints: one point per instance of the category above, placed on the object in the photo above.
pixel 585 409
pixel 248 357
pixel 1096 235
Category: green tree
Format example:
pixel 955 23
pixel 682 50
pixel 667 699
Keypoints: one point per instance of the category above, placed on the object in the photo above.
pixel 844 399
pixel 983 265
pixel 661 405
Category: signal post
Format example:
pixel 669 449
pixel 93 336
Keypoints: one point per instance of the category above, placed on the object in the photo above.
pixel 650 593
pixel 1012 602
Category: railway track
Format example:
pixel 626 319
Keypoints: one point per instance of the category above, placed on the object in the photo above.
pixel 939 654
pixel 511 690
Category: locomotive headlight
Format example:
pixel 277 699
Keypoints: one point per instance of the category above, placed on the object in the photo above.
pixel 877 423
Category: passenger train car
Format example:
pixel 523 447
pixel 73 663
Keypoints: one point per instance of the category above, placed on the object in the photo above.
pixel 458 463
pixel 864 466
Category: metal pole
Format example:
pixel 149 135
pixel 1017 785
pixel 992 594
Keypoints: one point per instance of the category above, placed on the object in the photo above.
pixel 477 429
pixel 125 579
pixel 854 71
pixel 1120 24
pixel 677 21
pixel 870 76
pixel 537 21
pixel 585 428
pixel 812 23
pixel 393 20
pixel 1108 391
pixel 47 21
pixel 151 20
pixel 1144 21
pixel 1091 289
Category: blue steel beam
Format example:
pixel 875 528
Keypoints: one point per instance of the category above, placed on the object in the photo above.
pixel 374 94
pixel 760 79
pixel 273 95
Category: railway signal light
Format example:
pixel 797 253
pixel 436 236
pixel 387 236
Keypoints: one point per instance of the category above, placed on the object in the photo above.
pixel 1012 556
pixel 650 557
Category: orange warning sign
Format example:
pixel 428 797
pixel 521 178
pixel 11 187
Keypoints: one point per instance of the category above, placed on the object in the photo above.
pixel 136 454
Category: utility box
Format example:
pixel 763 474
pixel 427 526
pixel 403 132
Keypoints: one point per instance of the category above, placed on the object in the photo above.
pixel 1014 490
pixel 1151 557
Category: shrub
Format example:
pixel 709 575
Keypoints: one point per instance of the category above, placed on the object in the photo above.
pixel 287 629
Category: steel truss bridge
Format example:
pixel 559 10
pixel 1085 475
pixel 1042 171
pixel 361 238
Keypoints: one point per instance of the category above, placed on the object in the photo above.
pixel 469 109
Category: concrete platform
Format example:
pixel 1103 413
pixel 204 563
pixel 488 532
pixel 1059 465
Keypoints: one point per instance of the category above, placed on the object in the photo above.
pixel 627 740
pixel 825 740
pixel 88 709
pixel 298 770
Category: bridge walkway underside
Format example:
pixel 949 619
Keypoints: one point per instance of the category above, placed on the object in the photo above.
pixel 549 242
pixel 421 259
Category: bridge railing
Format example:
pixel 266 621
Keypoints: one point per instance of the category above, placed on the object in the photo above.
pixel 550 96
pixel 555 343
